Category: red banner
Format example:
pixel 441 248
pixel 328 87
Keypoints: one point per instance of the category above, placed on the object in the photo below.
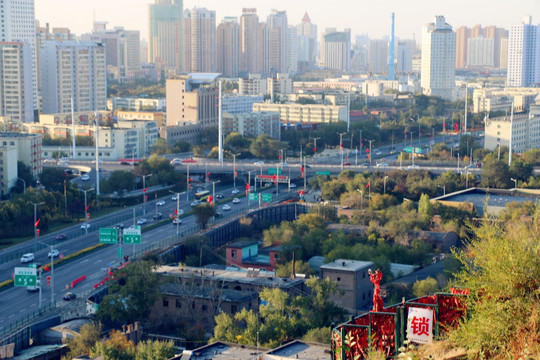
pixel 37 222
pixel 144 190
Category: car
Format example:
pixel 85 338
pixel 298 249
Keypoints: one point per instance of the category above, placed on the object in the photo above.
pixel 219 196
pixel 258 163
pixel 85 226
pixel 382 164
pixel 293 186
pixel 85 177
pixel 365 164
pixel 69 296
pixel 68 172
pixel 378 153
pixel 142 221
pixel 346 164
pixel 188 161
pixel 158 216
pixel 413 167
pixel 33 288
pixel 160 203
pixel 60 237
pixel 176 161
pixel 235 191
pixel 470 167
pixel 53 253
pixel 26 258
pixel 195 203
pixel 124 163
pixel 177 221
pixel 236 201
pixel 180 212
pixel 226 207
pixel 174 198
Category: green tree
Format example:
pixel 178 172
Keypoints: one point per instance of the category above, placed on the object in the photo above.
pixel 52 179
pixel 319 335
pixel 155 350
pixel 160 147
pixel 521 170
pixel 501 268
pixel 332 190
pixel 23 172
pixel 425 287
pixel 264 147
pixel 209 137
pixel 117 347
pixel 237 141
pixel 495 174
pixel 118 181
pixel 203 213
pixel 83 342
pixel 181 147
pixel 131 295
pixel 285 270
pixel 324 311
pixel 532 156
pixel 424 206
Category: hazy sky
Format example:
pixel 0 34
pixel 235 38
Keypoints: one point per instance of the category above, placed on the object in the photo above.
pixel 362 16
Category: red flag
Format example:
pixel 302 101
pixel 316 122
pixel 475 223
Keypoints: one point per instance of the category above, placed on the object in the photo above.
pixel 314 149
pixel 190 179
pixel 208 175
pixel 86 209
pixel 367 185
pixel 301 168
pixel 279 157
pixel 144 190
pixel 210 199
pixel 346 157
pixel 247 186
pixel 37 222
pixel 367 151
pixel 175 211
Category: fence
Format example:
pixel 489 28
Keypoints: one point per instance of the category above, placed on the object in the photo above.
pixel 386 330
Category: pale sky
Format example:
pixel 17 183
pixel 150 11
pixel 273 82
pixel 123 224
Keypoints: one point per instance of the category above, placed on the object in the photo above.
pixel 362 16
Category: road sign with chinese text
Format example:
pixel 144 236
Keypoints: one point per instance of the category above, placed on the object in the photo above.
pixel 120 253
pixel 420 325
pixel 267 197
pixel 108 235
pixel 409 149
pixel 322 173
pixel 253 196
pixel 26 276
pixel 132 235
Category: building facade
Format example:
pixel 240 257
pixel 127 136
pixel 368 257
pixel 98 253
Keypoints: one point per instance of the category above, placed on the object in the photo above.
pixel 228 47
pixel 253 84
pixel 307 41
pixel 29 149
pixel 165 33
pixel 253 124
pixel 16 99
pixel 73 71
pixel 524 54
pixel 336 49
pixel 250 44
pixel 8 168
pixel 278 41
pixel 200 40
pixel 136 104
pixel 148 135
pixel 438 59
pixel 300 114
pixel 235 104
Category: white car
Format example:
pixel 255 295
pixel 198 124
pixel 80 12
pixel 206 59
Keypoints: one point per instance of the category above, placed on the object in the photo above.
pixel 174 198
pixel 413 167
pixel 26 258
pixel 235 192
pixel 141 221
pixel 85 177
pixel 383 164
pixel 180 212
pixel 258 163
pixel 293 186
pixel 176 161
pixel 53 253
pixel 85 226
pixel 160 203
pixel 195 203
pixel 177 221
pixel 226 207
pixel 236 201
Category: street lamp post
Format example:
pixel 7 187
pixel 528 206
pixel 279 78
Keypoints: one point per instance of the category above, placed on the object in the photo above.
pixel 515 182
pixel 214 190
pixel 144 192
pixel 177 208
pixel 187 185
pixel 86 206
pixel 370 154
pixel 361 198
pixel 384 186
pixel 341 147
pixel 35 215
pixel 52 277
pixel 234 168
pixel 467 173
pixel 315 146
pixel 444 188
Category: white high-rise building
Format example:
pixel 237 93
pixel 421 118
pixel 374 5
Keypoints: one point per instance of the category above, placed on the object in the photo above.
pixel 524 54
pixel 307 41
pixel 438 59
pixel 200 40
pixel 292 50
pixel 17 23
pixel 75 70
pixel 336 49
pixel 16 81
pixel 278 41
pixel 480 52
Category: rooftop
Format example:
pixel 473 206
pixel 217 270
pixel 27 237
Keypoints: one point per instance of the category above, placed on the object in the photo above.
pixel 347 265
pixel 222 351
pixel 299 350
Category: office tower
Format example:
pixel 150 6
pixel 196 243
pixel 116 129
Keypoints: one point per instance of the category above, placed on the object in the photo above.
pixel 438 59
pixel 524 54
pixel 264 51
pixel 16 81
pixel 336 49
pixel 292 50
pixel 250 46
pixel 277 41
pixel 165 39
pixel 73 70
pixel 404 57
pixel 17 23
pixel 200 40
pixel 228 47
pixel 122 49
pixel 378 56
pixel 391 64
pixel 480 52
pixel 307 41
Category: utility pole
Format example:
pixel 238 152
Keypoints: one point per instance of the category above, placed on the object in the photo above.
pixel 370 155
pixel 35 215
pixel 187 185
pixel 234 168
pixel 144 192
pixel 341 146
pixel 214 190
pixel 97 155
pixel 249 188
pixel 384 181
pixel 315 147
pixel 86 206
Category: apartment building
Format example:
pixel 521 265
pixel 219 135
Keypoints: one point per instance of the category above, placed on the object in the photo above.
pixel 29 148
pixel 253 124
pixel 8 168
pixel 299 114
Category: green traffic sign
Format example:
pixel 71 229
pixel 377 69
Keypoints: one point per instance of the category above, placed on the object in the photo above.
pixel 33 266
pixel 25 277
pixel 132 235
pixel 409 149
pixel 273 171
pixel 322 173
pixel 108 236
pixel 253 196
pixel 120 253
pixel 267 197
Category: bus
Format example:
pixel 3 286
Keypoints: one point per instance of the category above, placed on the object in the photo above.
pixel 202 196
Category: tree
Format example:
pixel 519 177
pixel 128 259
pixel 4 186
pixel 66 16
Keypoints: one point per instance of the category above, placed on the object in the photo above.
pixel 319 335
pixel 425 287
pixel 118 181
pixel 237 141
pixel 209 137
pixel 83 342
pixel 424 206
pixel 160 147
pixel 301 267
pixel 52 179
pixel 23 172
pixel 495 174
pixel 203 213
pixel 332 190
pixel 264 147
pixel 131 295
pixel 501 269
pixel 181 147
pixel 521 170
pixel 324 311
pixel 155 350
pixel 117 347
pixel 532 156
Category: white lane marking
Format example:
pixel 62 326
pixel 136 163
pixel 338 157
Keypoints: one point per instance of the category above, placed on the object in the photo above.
pixel 10 316
pixel 23 310
pixel 84 261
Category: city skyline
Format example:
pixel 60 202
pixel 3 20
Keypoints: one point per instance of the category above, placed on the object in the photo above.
pixel 79 15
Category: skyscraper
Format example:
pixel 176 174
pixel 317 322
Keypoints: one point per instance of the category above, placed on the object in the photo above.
pixel 73 70
pixel 200 40
pixel 336 49
pixel 307 41
pixel 438 59
pixel 524 54
pixel 165 27
pixel 228 47
pixel 17 23
pixel 249 41
pixel 378 56
pixel 278 42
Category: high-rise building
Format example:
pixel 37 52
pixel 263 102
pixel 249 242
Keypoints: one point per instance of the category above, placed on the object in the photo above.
pixel 17 23
pixel 228 47
pixel 165 28
pixel 307 41
pixel 73 70
pixel 438 59
pixel 200 40
pixel 278 41
pixel 292 49
pixel 404 56
pixel 336 49
pixel 378 56
pixel 480 52
pixel 16 81
pixel 524 54
pixel 464 34
pixel 250 45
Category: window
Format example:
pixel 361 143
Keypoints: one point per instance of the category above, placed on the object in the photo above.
pixel 204 308
pixel 338 279
pixel 233 254
pixel 165 302
pixel 234 309
pixel 178 304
